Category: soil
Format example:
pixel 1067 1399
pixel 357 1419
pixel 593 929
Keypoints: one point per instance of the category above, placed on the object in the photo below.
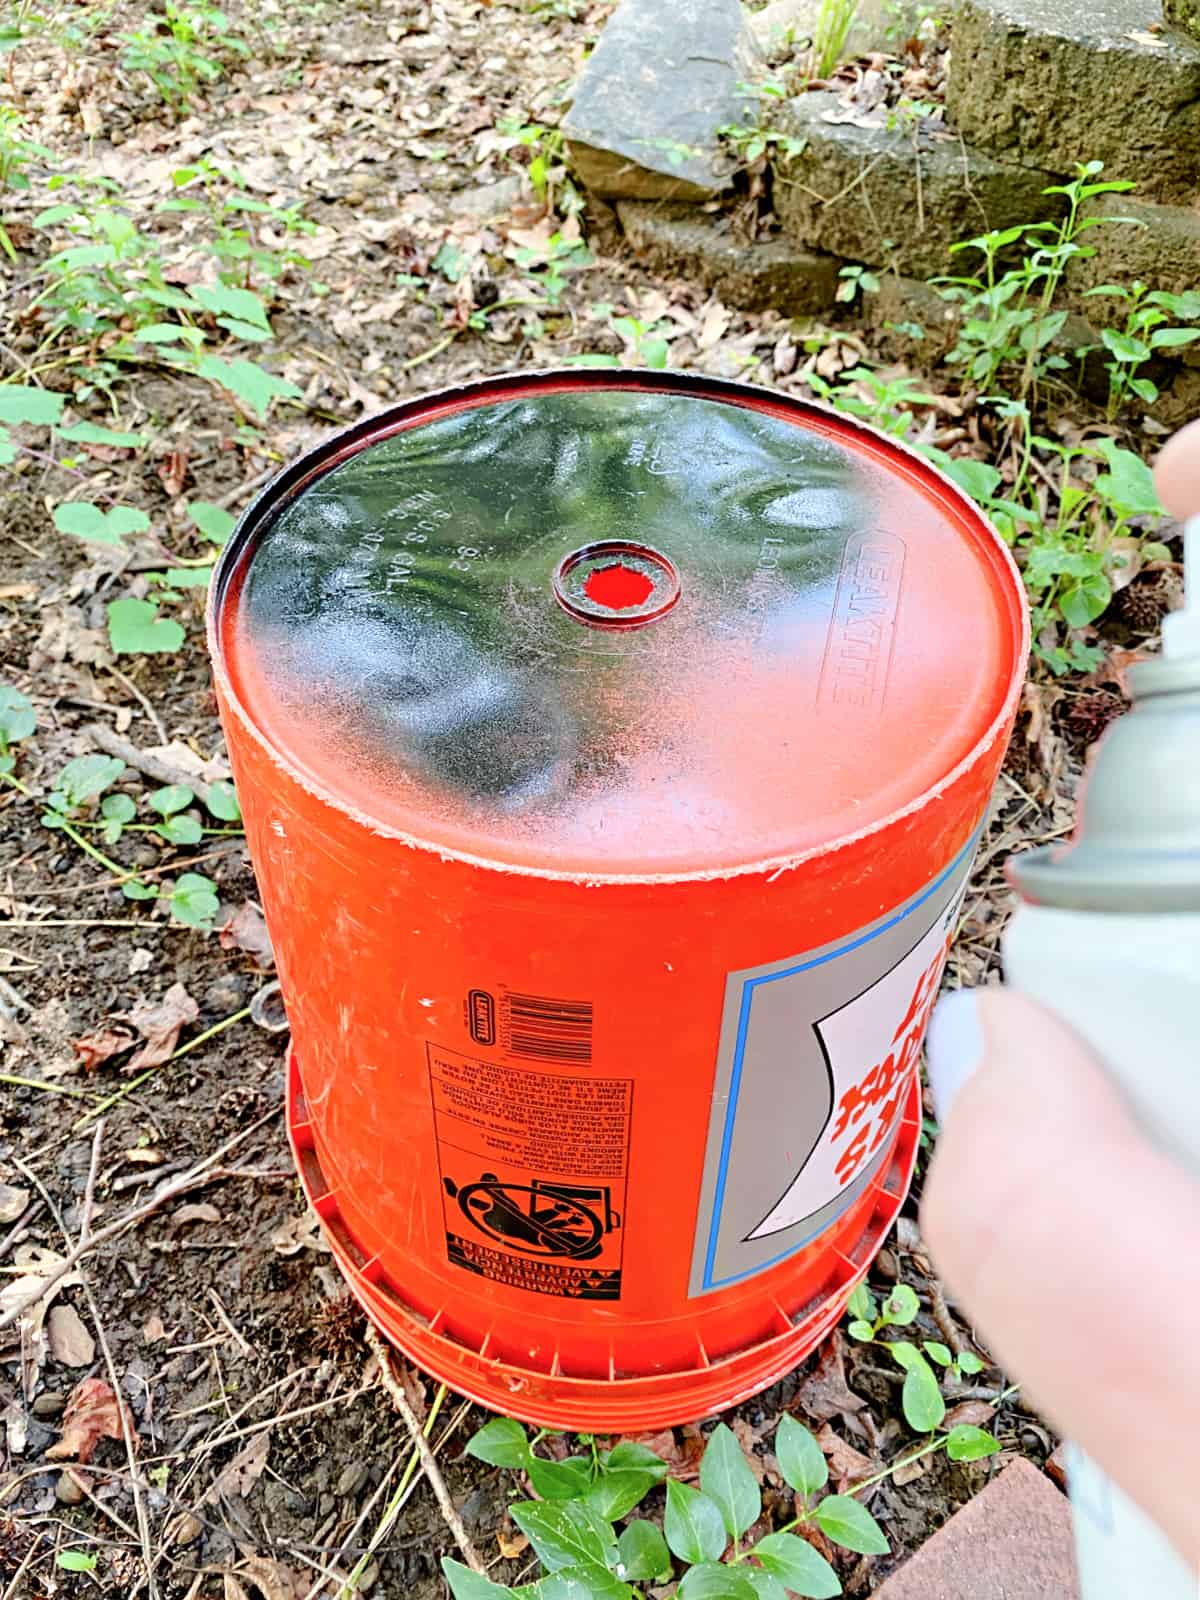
pixel 219 1316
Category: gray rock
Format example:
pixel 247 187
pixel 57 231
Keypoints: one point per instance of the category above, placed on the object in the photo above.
pixel 487 201
pixel 353 1477
pixel 870 194
pixel 1054 82
pixel 703 246
pixel 50 1404
pixel 662 80
pixel 1161 247
pixel 912 319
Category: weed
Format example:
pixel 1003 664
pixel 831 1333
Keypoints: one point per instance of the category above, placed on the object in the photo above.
pixel 750 142
pixel 16 153
pixel 546 167
pixel 236 219
pixel 180 48
pixel 1008 314
pixel 924 1407
pixel 831 34
pixel 856 281
pixel 867 394
pixel 572 1526
pixel 1152 323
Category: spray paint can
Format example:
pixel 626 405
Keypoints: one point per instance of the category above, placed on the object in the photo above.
pixel 1115 914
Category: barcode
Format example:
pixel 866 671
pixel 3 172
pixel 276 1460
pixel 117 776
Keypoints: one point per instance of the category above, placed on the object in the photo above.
pixel 548 1030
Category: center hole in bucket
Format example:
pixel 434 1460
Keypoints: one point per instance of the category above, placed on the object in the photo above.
pixel 618 587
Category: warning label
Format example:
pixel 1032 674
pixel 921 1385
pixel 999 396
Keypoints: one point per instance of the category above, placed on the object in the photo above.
pixel 534 1168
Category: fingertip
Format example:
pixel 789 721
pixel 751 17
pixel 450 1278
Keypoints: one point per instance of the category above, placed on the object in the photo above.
pixel 1177 473
pixel 954 1047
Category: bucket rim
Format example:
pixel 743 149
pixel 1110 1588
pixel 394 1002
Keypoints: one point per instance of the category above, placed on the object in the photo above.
pixel 343 443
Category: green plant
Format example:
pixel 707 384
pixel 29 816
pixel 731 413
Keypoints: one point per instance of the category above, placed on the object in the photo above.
pixel 856 281
pixel 924 1407
pixel 752 142
pixel 16 153
pixel 885 401
pixel 1008 315
pixel 546 167
pixel 181 47
pixel 1152 323
pixel 831 34
pixel 236 219
pixel 573 1533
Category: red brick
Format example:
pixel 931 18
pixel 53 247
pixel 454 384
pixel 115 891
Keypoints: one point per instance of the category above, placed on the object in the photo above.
pixel 1012 1542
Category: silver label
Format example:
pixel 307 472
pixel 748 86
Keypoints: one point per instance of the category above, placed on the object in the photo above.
pixel 816 1056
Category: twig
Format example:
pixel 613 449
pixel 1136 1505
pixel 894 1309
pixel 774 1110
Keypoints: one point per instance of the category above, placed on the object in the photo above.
pixel 232 496
pixel 41 1083
pixel 428 1463
pixel 153 766
pixel 91 922
pixel 428 355
pixel 243 1344
pixel 142 701
pixel 89 1193
pixel 201 1173
pixel 19 1226
pixel 947 1327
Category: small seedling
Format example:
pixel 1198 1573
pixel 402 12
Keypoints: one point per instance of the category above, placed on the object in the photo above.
pixel 924 1407
pixel 180 48
pixel 856 281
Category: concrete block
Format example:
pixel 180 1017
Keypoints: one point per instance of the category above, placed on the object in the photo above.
pixel 1160 247
pixel 663 79
pixel 1012 1542
pixel 703 246
pixel 855 187
pixel 1054 82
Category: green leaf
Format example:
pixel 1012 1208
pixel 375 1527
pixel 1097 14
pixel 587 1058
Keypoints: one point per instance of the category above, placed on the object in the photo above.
pixel 185 577
pixel 848 1523
pixel 1084 599
pixel 764 1585
pixel 642 1553
pixel 17 716
pixel 92 433
pixel 693 1524
pixel 118 808
pixel 969 1362
pixel 800 1457
pixel 725 1476
pixel 194 900
pixel 181 830
pixel 921 1398
pixel 85 521
pixel 798 1566
pixel 221 300
pixel 940 1353
pixel 252 384
pixel 979 478
pixel 468 1585
pixel 965 1443
pixel 74 1561
pixel 135 889
pixel 500 1442
pixel 1173 338
pixel 861 1303
pixel 168 333
pixel 1128 483
pixel 864 1332
pixel 87 776
pixel 901 1306
pixel 655 353
pixel 560 1480
pixel 564 1534
pixel 711 1581
pixel 1152 550
pixel 21 402
pixel 585 1582
pixel 135 628
pixel 223 803
pixel 214 522
pixel 1124 347
pixel 627 1473
pixel 175 797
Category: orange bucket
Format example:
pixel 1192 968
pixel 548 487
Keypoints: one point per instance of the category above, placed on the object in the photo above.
pixel 612 747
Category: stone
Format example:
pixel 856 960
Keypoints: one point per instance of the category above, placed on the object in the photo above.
pixel 1161 248
pixel 869 193
pixel 663 79
pixel 1013 1541
pixel 703 246
pixel 1053 82
pixel 488 200
pixel 1184 14
pixel 901 308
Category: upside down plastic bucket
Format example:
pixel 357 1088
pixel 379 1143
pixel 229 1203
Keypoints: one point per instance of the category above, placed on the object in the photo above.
pixel 612 747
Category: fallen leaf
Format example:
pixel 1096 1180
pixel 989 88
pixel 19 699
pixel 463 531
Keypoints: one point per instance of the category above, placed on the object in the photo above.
pixel 511 1544
pixel 159 1022
pixel 153 1329
pixel 236 1479
pixel 273 1580
pixel 846 1464
pixel 824 1394
pixel 247 930
pixel 36 1266
pixel 91 116
pixel 183 1530
pixel 299 1233
pixel 107 1041
pixel 93 1413
pixel 139 960
pixel 974 1413
pixel 172 471
pixel 908 1471
pixel 70 1342
pixel 12 1202
pixel 196 1213
pixel 714 326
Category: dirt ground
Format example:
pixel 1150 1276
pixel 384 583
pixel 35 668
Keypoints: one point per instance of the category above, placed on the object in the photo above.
pixel 266 1447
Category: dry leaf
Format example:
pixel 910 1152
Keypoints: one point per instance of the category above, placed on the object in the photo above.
pixel 93 1413
pixel 908 1471
pixel 12 1202
pixel 238 1477
pixel 974 1413
pixel 159 1022
pixel 273 1580
pixel 247 930
pixel 36 1266
pixel 511 1544
pixel 92 117
pixel 846 1464
pixel 299 1233
pixel 70 1342
pixel 108 1040
pixel 823 1394
pixel 195 1213
pixel 172 471
pixel 714 325
pixel 153 1329
pixel 139 960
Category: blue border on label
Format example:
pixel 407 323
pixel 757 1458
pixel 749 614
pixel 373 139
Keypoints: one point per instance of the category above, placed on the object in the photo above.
pixel 735 1082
